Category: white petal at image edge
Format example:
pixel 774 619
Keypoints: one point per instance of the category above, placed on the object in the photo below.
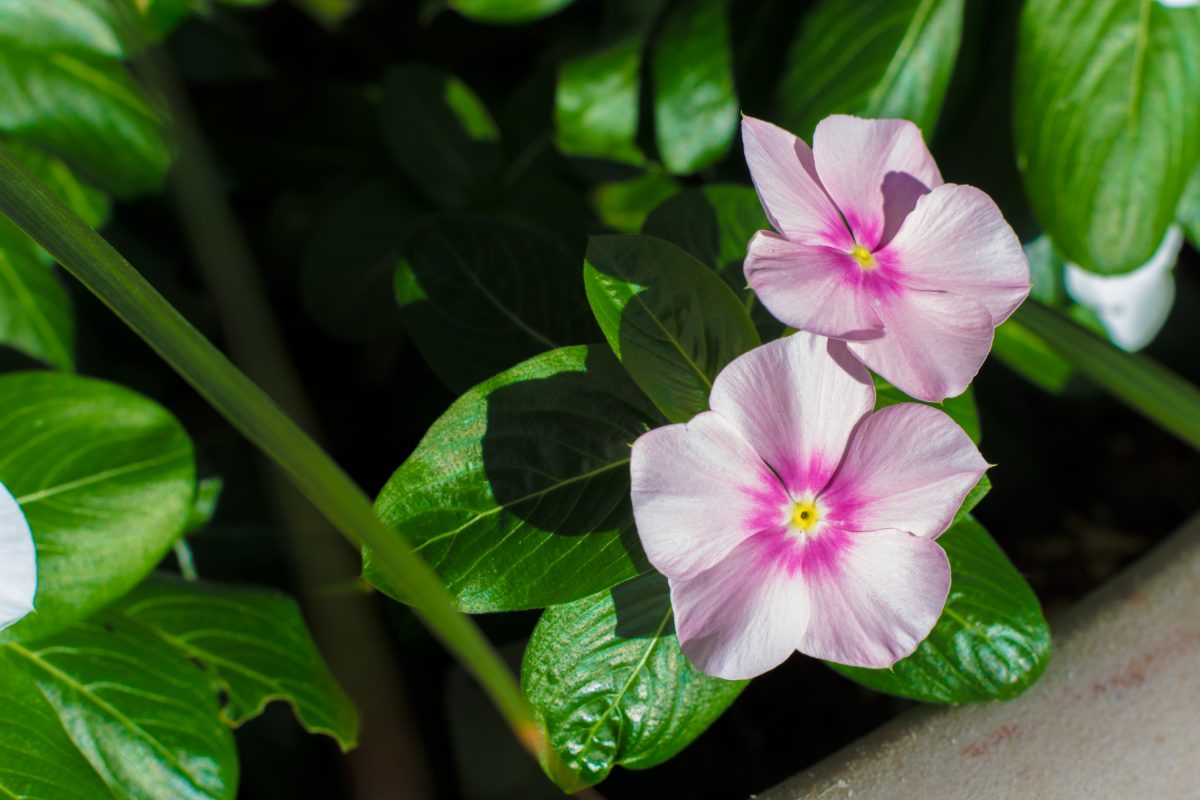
pixel 18 562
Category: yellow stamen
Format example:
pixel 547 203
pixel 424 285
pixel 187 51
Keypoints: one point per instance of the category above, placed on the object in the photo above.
pixel 863 256
pixel 805 515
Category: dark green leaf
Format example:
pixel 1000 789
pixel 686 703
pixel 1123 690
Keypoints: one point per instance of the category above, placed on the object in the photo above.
pixel 596 102
pixel 1107 123
pixel 961 409
pixel 106 480
pixel 479 295
pixel 610 685
pixel 991 642
pixel 695 108
pixel 519 495
pixel 671 321
pixel 440 134
pixel 508 12
pixel 86 201
pixel 624 205
pixel 255 646
pixel 35 309
pixel 873 58
pixel 1189 209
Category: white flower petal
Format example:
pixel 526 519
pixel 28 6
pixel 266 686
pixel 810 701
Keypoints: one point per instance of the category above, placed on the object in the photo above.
pixel 18 562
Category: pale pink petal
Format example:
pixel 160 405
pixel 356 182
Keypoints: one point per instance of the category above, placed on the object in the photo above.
pixel 815 289
pixel 796 400
pixel 873 597
pixel 909 467
pixel 781 166
pixel 698 490
pixel 956 240
pixel 874 169
pixel 933 344
pixel 18 562
pixel 743 616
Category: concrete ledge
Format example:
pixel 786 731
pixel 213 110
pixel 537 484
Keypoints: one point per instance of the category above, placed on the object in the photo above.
pixel 1116 715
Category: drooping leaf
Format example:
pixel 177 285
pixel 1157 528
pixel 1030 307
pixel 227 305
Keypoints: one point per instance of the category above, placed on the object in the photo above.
pixel 85 200
pixel 519 494
pixel 991 642
pixel 962 408
pixel 137 701
pixel 253 643
pixel 1107 123
pixel 508 12
pixel 596 102
pixel 478 295
pixel 440 134
pixel 64 89
pixel 625 205
pixel 610 685
pixel 695 107
pixel 671 321
pixel 105 478
pixel 35 309
pixel 872 58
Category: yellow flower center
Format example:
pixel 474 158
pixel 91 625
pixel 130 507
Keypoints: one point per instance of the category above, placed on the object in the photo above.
pixel 863 256
pixel 805 515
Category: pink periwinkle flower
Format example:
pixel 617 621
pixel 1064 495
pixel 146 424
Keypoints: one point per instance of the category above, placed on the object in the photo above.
pixel 874 249
pixel 790 517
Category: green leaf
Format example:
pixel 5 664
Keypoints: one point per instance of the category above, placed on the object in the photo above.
pixel 204 503
pixel 85 200
pixel 440 133
pixel 105 478
pixel 519 494
pixel 508 12
pixel 962 409
pixel 1107 123
pixel 253 643
pixel 610 685
pixel 695 107
pixel 35 309
pixel 872 58
pixel 478 295
pixel 64 89
pixel 671 321
pixel 1189 209
pixel 624 205
pixel 991 642
pixel 596 102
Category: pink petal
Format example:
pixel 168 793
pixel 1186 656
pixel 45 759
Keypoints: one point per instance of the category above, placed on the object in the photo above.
pixel 908 467
pixel 877 596
pixel 933 344
pixel 795 400
pixel 743 616
pixel 18 562
pixel 956 240
pixel 698 491
pixel 815 289
pixel 781 166
pixel 874 169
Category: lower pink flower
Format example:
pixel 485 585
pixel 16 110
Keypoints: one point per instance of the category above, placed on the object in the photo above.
pixel 790 517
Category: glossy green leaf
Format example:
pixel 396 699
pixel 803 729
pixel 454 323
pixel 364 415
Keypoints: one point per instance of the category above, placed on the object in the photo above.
pixel 105 478
pixel 991 642
pixel 596 102
pixel 508 12
pixel 695 107
pixel 349 263
pixel 671 321
pixel 610 685
pixel 35 309
pixel 1107 123
pixel 64 89
pixel 625 205
pixel 253 643
pixel 1189 209
pixel 962 408
pixel 137 701
pixel 479 295
pixel 872 58
pixel 519 494
pixel 440 134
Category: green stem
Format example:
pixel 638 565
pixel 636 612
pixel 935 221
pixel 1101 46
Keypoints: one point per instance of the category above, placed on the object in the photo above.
pixel 1140 382
pixel 99 267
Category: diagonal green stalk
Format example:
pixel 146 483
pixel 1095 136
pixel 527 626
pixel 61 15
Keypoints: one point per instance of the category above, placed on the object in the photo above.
pixel 99 267
pixel 1140 382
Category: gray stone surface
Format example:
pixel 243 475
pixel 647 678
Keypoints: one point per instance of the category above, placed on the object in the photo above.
pixel 1116 715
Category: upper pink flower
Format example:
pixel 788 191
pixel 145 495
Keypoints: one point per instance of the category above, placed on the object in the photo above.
pixel 790 517
pixel 874 249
